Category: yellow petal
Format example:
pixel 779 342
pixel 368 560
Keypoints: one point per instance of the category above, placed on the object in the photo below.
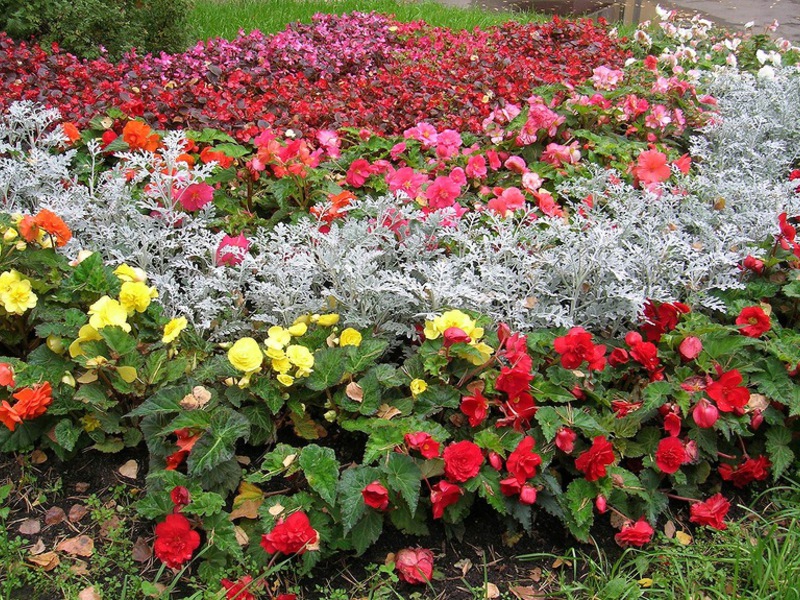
pixel 128 374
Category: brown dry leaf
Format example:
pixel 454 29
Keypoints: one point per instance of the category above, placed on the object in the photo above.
pixel 289 460
pixel 30 527
pixel 617 520
pixel 130 469
pixel 530 302
pixel 77 512
pixel 141 551
pixel 669 529
pixel 89 593
pixel 81 487
pixel 354 391
pixel 758 402
pixel 525 592
pixel 47 561
pixel 464 565
pixel 560 562
pixel 54 515
pixel 684 538
pixel 38 457
pixel 79 568
pixel 387 412
pixel 241 536
pixel 247 502
pixel 243 460
pixel 81 545
pixel 37 548
pixel 109 525
pixel 536 574
pixel 276 509
pixel 389 560
pixel 491 591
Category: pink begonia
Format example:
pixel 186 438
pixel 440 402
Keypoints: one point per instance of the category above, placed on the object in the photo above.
pixel 531 181
pixel 539 118
pixel 547 204
pixel 406 180
pixel 424 133
pixel 458 176
pixel 195 196
pixel 330 142
pixel 658 118
pixel 558 154
pixel 516 164
pixel 231 250
pixel 358 173
pixel 397 150
pixel 447 144
pixel 633 106
pixel 442 192
pixel 507 201
pixel 494 160
pixel 605 78
pixel 476 167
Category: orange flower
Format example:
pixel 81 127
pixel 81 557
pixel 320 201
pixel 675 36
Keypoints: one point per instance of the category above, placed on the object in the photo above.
pixel 187 158
pixel 9 416
pixel 52 224
pixel 28 229
pixel 72 133
pixel 139 136
pixel 33 401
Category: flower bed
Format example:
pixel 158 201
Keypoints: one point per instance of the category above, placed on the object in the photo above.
pixel 564 298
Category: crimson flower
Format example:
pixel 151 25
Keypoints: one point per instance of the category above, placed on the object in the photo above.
pixel 376 496
pixel 414 565
pixel 522 462
pixel 427 446
pixel 705 414
pixel 670 455
pixel 360 170
pixel 180 497
pixel 231 250
pixel 752 469
pixel 635 534
pixel 754 321
pixel 462 460
pixel 661 317
pixel 565 439
pixel 238 590
pixel 443 494
pixel 175 541
pixel 593 462
pixel 727 393
pixel 475 407
pixel 711 512
pixel 577 347
pixel 515 380
pixel 293 535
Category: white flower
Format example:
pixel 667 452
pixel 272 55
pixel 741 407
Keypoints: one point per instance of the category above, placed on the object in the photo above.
pixel 766 72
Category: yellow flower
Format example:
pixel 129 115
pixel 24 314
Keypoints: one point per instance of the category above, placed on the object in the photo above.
pixel 279 335
pixel 304 319
pixel 136 296
pixel 132 274
pixel 246 355
pixel 275 353
pixel 90 423
pixel 281 365
pixel 300 357
pixel 452 318
pixel 286 380
pixel 173 329
pixel 328 320
pixel 418 386
pixel 350 337
pixel 108 312
pixel 18 297
pixel 87 333
pixel 486 353
pixel 298 329
pixel 7 279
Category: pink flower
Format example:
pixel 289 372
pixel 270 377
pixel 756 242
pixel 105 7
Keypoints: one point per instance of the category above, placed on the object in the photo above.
pixel 406 180
pixel 414 565
pixel 605 78
pixel 705 414
pixel 330 141
pixel 458 176
pixel 476 167
pixel 231 250
pixel 196 196
pixel 531 181
pixel 442 192
pixel 358 173
pixel 651 167
pixel 447 144
pixel 690 348
pixel 508 201
pixel 558 154
pixel 516 164
pixel 424 133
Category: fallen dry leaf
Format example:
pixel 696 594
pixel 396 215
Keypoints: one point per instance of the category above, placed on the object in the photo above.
pixel 141 551
pixel 38 457
pixel 276 509
pixel 30 527
pixel 387 412
pixel 669 529
pixel 79 568
pixel 81 545
pixel 77 512
pixel 54 515
pixel 130 469
pixel 525 592
pixel 81 487
pixel 684 538
pixel 559 562
pixel 354 391
pixel 47 561
pixel 464 565
pixel 37 548
pixel 491 591
pixel 109 525
pixel 247 502
pixel 89 593
pixel 536 574
pixel 617 520
pixel 241 536
pixel 243 460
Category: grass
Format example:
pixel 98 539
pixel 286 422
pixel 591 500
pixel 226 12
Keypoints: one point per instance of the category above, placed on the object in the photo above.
pixel 224 18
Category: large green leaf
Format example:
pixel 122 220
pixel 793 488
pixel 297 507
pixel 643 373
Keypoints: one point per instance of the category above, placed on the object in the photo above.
pixel 166 400
pixel 118 341
pixel 329 367
pixel 321 470
pixel 217 443
pixel 781 456
pixel 403 475
pixel 363 356
pixel 367 531
pixel 350 501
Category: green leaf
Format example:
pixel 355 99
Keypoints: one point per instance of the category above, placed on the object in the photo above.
pixel 321 470
pixel 92 278
pixel 166 400
pixel 407 523
pixel 772 380
pixel 489 489
pixel 367 531
pixel 404 476
pixel 205 504
pixel 655 395
pixel 67 434
pixel 329 367
pixel 349 488
pixel 365 355
pixel 267 390
pixel 232 150
pixel 263 427
pixel 118 341
pixel 381 442
pixel 110 445
pixel 436 398
pixel 95 395
pixel 722 345
pixel 580 502
pixel 550 421
pixel 217 443
pixel 781 456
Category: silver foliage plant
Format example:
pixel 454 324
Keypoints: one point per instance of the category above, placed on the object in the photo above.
pixel 595 270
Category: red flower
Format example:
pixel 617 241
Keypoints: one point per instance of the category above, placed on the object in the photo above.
pixel 645 353
pixel 594 461
pixel 711 512
pixel 7 375
pixel 705 414
pixel 515 380
pixel 565 439
pixel 635 534
pixel 175 541
pixel 196 196
pixel 727 392
pixel 475 407
pixel 293 535
pixel 72 133
pixel 462 460
pixel 755 322
pixel 672 424
pixel 670 455
pixel 753 469
pixel 690 348
pixel 414 565
pixel 618 357
pixel 443 494
pixel 518 412
pixel 522 462
pixel 360 170
pixel 576 347
pixel 454 335
pixel 661 317
pixel 376 496
pixel 180 496
pixel 651 167
pixel 238 590
pixel 427 446
pixel 208 155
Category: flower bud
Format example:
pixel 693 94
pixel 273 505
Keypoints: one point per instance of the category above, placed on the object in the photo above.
pixel 565 440
pixel 68 379
pixel 10 235
pixel 756 419
pixel 330 416
pixel 454 335
pixel 601 504
pixel 496 461
pixel 705 414
pixel 690 348
pixel 527 495
pixel 56 344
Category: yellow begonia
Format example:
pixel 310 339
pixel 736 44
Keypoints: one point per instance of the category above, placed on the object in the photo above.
pixel 281 365
pixel 135 296
pixel 350 337
pixel 87 333
pixel 286 380
pixel 18 297
pixel 173 329
pixel 300 357
pixel 246 355
pixel 328 320
pixel 452 318
pixel 108 312
pixel 304 319
pixel 298 329
pixel 279 335
pixel 486 353
pixel 418 386
pixel 132 274
pixel 7 278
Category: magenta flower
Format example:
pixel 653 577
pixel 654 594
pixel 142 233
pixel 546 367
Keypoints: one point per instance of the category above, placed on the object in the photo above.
pixel 231 250
pixel 196 196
